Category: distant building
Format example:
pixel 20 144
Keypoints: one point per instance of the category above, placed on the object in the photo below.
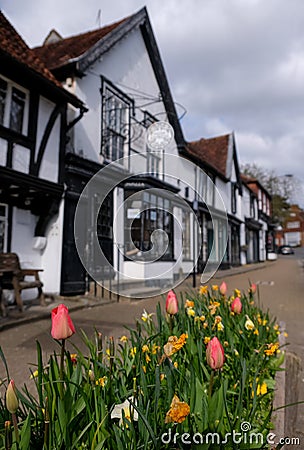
pixel 293 229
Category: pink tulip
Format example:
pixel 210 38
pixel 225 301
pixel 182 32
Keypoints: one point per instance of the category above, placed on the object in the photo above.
pixel 236 306
pixel 223 288
pixel 253 288
pixel 215 354
pixel 171 303
pixel 62 325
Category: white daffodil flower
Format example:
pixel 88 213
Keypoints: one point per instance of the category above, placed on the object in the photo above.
pixel 128 410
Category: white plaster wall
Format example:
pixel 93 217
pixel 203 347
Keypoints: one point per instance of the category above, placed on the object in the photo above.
pixel 49 165
pixel 128 66
pixel 224 193
pixel 3 152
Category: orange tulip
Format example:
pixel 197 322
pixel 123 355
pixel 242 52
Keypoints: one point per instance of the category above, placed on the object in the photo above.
pixel 215 354
pixel 236 306
pixel 171 303
pixel 62 325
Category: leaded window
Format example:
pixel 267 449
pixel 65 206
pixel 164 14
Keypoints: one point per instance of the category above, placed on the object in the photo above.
pixel 115 123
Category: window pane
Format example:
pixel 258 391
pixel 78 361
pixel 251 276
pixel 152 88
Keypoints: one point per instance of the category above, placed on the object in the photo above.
pixel 3 90
pixel 17 110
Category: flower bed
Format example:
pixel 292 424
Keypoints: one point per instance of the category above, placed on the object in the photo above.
pixel 198 373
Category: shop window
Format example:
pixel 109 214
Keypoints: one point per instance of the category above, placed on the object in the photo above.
pixel 144 216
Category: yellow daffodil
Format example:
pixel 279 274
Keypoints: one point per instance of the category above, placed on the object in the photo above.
pixel 203 290
pixel 215 287
pixel 189 304
pixel 237 292
pixel 133 352
pixel 206 340
pixel 178 411
pixel 123 339
pixel 145 348
pixel 271 349
pixel 190 312
pixel 101 381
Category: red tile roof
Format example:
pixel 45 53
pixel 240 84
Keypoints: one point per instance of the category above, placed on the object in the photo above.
pixel 212 151
pixel 57 54
pixel 14 46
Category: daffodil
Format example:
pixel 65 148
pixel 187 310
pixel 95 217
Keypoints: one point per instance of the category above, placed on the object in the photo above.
pixel 146 317
pixel 249 325
pixel 203 290
pixel 178 411
pixel 123 339
pixel 125 410
pixel 101 381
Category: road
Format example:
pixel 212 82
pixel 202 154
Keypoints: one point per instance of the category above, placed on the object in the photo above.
pixel 281 287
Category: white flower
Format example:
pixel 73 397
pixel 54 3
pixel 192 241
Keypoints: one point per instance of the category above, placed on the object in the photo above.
pixel 127 407
pixel 146 317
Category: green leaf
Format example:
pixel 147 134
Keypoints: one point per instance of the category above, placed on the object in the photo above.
pixel 25 434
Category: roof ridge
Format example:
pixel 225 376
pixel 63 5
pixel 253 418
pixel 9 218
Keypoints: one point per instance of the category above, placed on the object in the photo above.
pixel 83 34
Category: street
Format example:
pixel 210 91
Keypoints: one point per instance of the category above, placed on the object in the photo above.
pixel 280 285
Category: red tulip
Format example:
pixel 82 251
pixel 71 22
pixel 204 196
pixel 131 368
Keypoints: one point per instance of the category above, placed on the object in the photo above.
pixel 215 354
pixel 223 288
pixel 171 303
pixel 236 306
pixel 62 325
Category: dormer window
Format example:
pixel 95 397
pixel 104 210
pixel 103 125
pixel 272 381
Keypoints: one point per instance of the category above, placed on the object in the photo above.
pixel 116 108
pixel 13 101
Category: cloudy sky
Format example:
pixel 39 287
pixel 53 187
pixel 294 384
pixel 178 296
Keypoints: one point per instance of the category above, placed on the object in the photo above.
pixel 233 65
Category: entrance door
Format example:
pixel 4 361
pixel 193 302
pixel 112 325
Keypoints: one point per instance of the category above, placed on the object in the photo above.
pixel 72 272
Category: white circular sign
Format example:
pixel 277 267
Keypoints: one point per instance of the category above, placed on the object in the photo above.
pixel 159 135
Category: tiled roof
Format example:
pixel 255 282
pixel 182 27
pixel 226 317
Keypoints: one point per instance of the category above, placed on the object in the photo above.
pixel 212 151
pixel 57 54
pixel 13 45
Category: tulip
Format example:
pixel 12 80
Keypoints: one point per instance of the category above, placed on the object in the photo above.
pixel 236 306
pixel 171 303
pixel 11 398
pixel 62 325
pixel 223 288
pixel 253 288
pixel 215 354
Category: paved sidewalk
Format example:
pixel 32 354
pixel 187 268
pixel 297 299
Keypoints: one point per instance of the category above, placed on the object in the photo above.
pixel 33 311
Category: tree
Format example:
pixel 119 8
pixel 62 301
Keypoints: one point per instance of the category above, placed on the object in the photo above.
pixel 281 189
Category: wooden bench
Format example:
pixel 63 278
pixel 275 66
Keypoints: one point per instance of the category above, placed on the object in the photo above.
pixel 13 277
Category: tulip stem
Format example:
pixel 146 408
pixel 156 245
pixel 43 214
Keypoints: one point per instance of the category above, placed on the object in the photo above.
pixel 171 322
pixel 15 423
pixel 61 368
pixel 211 381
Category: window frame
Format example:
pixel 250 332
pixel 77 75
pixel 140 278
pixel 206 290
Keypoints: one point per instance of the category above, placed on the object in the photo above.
pixel 12 90
pixel 119 131
pixel 4 220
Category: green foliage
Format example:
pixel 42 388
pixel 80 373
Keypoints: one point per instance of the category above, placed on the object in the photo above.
pixel 76 406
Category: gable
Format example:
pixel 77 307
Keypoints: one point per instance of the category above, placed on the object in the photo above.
pixel 78 53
